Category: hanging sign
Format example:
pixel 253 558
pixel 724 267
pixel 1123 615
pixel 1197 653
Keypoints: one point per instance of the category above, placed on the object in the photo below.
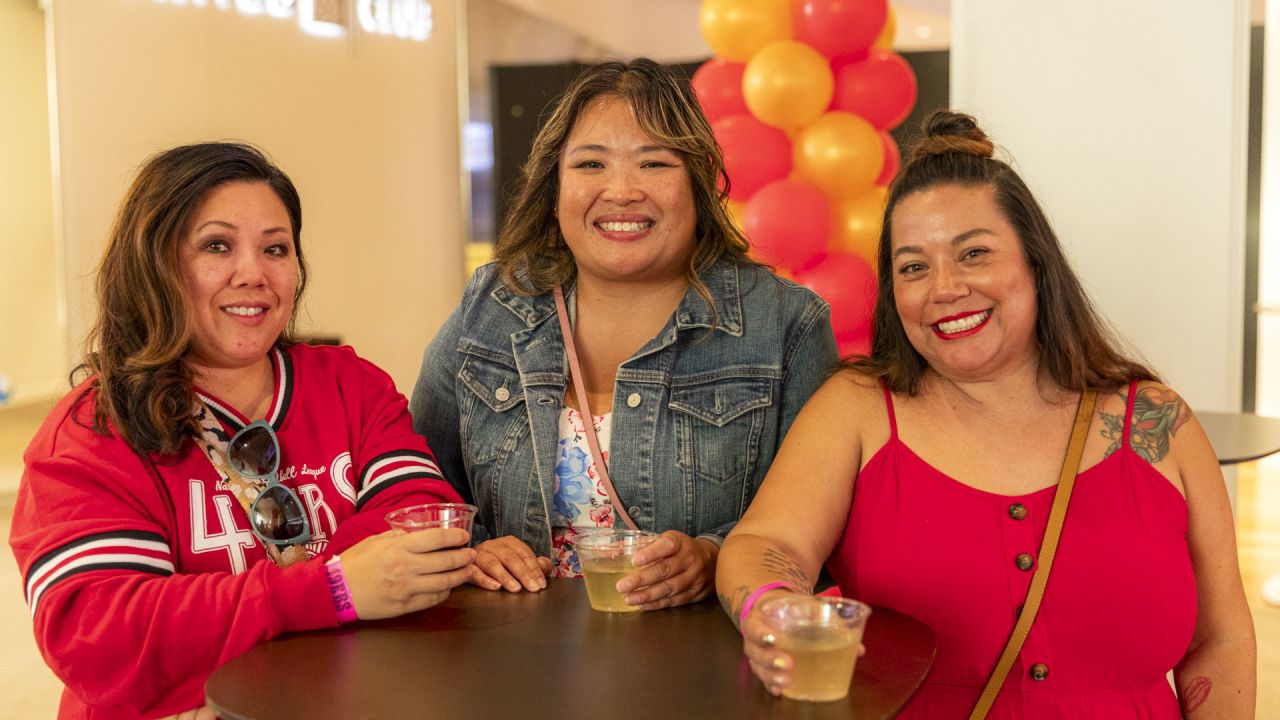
pixel 409 19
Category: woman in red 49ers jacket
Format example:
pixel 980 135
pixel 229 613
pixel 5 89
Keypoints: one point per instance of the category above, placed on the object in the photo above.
pixel 191 496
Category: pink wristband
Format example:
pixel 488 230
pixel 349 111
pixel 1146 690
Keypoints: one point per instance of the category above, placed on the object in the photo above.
pixel 750 602
pixel 340 591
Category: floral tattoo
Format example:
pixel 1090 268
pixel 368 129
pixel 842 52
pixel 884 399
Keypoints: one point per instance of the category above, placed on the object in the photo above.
pixel 1157 415
pixel 733 604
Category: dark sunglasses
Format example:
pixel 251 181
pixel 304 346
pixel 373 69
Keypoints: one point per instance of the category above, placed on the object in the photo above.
pixel 277 516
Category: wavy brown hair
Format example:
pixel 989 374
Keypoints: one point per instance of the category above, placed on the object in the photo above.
pixel 1077 348
pixel 136 351
pixel 531 251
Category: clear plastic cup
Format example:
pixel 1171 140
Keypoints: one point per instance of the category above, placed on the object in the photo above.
pixel 605 556
pixel 821 634
pixel 434 515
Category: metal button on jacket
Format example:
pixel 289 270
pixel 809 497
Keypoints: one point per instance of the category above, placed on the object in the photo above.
pixel 1039 671
pixel 633 400
pixel 502 394
pixel 1024 561
pixel 1018 511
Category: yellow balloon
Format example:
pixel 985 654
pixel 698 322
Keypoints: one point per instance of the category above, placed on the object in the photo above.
pixel 840 153
pixel 885 40
pixel 736 29
pixel 735 209
pixel 857 224
pixel 787 85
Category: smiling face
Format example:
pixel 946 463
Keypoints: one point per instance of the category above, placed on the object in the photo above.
pixel 626 204
pixel 240 266
pixel 962 286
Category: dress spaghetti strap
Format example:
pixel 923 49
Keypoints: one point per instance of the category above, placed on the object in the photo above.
pixel 888 406
pixel 1128 411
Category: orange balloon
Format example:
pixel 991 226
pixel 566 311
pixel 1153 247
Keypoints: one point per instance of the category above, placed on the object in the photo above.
pixel 840 153
pixel 857 224
pixel 736 29
pixel 885 40
pixel 787 85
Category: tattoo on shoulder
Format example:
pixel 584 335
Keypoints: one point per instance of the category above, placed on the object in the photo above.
pixel 1193 693
pixel 1158 413
pixel 780 564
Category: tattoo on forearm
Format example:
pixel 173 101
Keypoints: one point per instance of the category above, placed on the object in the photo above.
pixel 733 605
pixel 1157 415
pixel 1194 693
pixel 779 564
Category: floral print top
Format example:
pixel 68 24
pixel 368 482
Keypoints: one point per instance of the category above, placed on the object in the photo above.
pixel 580 501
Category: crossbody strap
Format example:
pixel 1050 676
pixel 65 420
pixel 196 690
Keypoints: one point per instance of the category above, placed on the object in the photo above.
pixel 1044 563
pixel 580 390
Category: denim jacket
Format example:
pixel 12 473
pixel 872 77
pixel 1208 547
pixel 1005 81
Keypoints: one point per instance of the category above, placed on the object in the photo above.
pixel 698 412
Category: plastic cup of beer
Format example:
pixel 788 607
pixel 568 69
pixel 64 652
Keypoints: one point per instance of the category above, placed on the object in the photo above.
pixel 433 515
pixel 821 634
pixel 605 556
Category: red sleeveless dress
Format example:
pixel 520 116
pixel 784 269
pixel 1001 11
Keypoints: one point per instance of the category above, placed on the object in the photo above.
pixel 1117 614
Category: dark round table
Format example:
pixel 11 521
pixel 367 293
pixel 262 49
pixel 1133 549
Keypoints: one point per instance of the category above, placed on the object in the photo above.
pixel 485 654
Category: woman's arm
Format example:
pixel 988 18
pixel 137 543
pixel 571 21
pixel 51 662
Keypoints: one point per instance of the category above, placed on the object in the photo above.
pixel 795 521
pixel 1217 678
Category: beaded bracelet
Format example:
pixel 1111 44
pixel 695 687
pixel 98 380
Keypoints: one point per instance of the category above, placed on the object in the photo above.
pixel 340 591
pixel 750 602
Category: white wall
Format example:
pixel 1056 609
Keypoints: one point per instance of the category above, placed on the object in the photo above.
pixel 1269 242
pixel 32 355
pixel 1128 119
pixel 366 125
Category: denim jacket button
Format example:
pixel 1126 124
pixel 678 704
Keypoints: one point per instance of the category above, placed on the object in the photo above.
pixel 502 394
pixel 633 400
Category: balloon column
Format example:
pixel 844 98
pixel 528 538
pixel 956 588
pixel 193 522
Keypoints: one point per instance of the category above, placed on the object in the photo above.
pixel 801 95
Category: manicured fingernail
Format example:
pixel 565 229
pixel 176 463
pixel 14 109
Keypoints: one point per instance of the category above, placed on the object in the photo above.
pixel 513 586
pixel 779 663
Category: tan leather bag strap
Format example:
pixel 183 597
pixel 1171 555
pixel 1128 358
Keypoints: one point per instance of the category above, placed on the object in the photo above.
pixel 1048 548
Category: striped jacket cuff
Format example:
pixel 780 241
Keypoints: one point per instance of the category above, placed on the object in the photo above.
pixel 130 550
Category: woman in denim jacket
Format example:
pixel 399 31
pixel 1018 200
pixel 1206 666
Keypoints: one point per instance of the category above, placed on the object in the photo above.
pixel 695 360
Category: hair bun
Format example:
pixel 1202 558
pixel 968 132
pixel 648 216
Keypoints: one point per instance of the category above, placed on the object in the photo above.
pixel 952 132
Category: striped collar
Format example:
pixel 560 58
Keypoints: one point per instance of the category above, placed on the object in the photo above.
pixel 282 367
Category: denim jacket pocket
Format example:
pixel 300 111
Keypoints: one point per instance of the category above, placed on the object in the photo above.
pixel 491 412
pixel 718 424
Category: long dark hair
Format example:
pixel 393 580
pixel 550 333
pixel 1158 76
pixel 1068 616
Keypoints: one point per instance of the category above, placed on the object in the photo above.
pixel 136 350
pixel 531 251
pixel 1076 347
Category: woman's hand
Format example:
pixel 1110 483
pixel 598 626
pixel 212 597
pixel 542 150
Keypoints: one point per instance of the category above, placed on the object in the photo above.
pixel 507 562
pixel 770 664
pixel 759 644
pixel 397 572
pixel 674 570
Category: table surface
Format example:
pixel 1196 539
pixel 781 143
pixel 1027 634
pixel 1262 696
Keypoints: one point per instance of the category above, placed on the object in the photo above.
pixel 1241 437
pixel 546 655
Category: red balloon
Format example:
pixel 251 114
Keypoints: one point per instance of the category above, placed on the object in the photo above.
pixel 880 88
pixel 718 84
pixel 892 160
pixel 788 223
pixel 857 344
pixel 839 27
pixel 754 154
pixel 848 283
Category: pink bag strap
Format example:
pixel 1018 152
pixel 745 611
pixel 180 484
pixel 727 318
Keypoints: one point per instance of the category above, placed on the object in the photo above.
pixel 580 390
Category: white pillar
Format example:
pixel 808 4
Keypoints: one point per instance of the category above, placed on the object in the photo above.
pixel 1128 122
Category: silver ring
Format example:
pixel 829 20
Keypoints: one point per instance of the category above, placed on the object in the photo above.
pixel 768 639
